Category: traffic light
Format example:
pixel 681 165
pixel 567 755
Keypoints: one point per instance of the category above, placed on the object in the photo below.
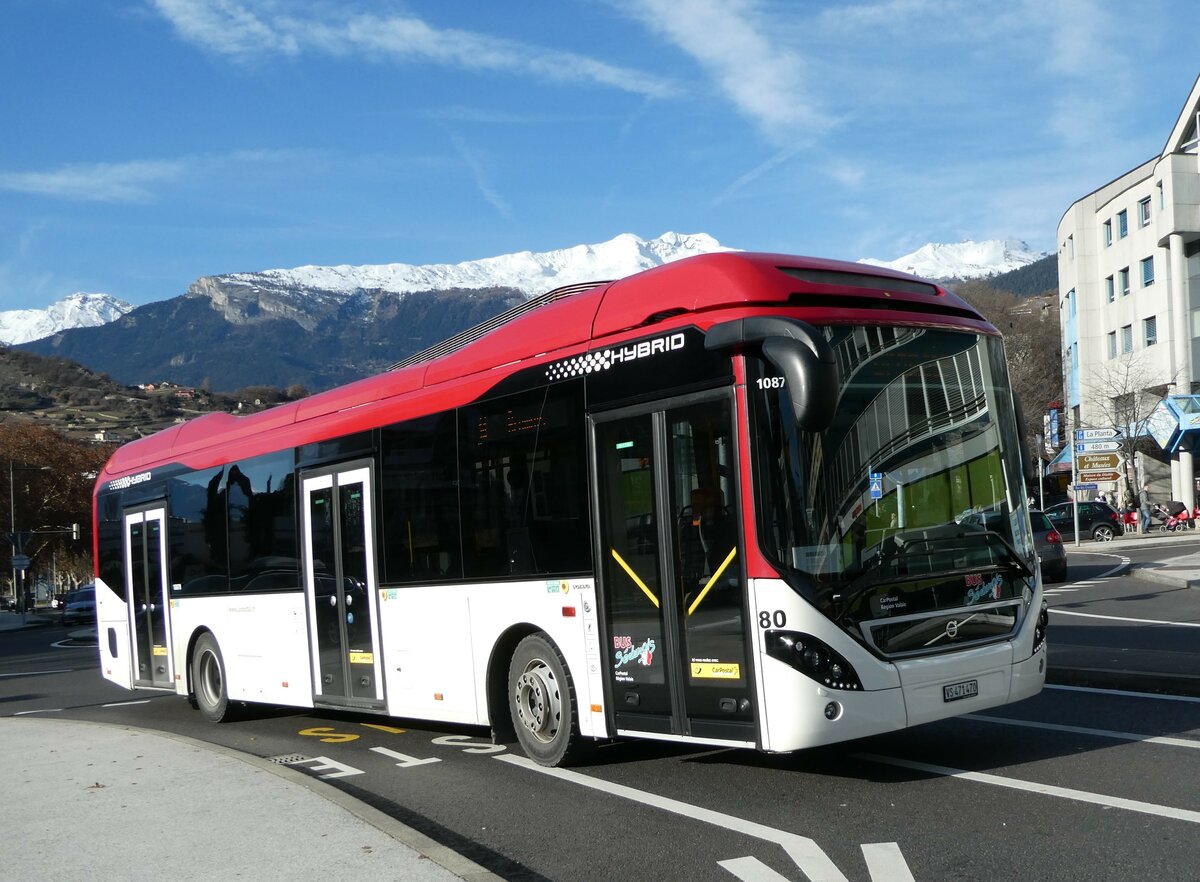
pixel 74 531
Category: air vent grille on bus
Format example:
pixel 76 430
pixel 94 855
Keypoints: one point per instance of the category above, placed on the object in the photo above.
pixel 849 301
pixel 470 335
pixel 860 280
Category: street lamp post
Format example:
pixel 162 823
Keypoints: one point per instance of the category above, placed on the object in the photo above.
pixel 17 539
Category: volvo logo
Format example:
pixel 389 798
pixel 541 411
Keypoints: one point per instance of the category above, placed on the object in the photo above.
pixel 952 629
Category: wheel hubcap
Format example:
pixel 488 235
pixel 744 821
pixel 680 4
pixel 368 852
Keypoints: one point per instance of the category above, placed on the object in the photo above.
pixel 538 703
pixel 210 679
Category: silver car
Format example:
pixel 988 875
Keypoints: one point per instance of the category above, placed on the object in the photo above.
pixel 80 606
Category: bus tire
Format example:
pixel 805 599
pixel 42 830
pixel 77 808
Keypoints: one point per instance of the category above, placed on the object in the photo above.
pixel 541 698
pixel 209 685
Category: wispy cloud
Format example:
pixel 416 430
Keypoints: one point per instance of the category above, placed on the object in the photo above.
pixel 136 181
pixel 765 80
pixel 225 26
pixel 97 182
pixel 753 174
pixel 489 192
pixel 252 28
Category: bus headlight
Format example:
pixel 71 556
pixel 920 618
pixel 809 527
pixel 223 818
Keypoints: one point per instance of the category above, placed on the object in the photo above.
pixel 811 657
pixel 1039 630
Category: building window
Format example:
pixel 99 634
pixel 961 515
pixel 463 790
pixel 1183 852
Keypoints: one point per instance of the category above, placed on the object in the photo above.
pixel 1144 212
pixel 1107 233
pixel 1127 338
pixel 1161 199
pixel 1110 290
pixel 1147 271
pixel 1071 247
pixel 1112 344
pixel 1122 224
pixel 1150 330
pixel 1071 298
pixel 1124 277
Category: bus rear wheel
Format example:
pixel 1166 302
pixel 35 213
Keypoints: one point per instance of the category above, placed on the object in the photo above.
pixel 208 680
pixel 541 698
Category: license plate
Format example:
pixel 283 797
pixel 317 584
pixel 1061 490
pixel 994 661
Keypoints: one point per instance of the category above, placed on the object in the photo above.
pixel 955 691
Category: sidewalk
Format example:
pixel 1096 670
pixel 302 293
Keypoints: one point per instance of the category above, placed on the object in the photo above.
pixel 92 800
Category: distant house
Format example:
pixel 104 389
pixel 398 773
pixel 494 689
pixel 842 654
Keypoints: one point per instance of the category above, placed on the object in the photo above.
pixel 105 437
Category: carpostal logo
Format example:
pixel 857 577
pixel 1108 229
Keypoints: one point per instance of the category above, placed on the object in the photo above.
pixel 128 481
pixel 603 359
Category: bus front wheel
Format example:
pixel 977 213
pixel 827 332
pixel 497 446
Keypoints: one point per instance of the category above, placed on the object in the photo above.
pixel 208 680
pixel 541 698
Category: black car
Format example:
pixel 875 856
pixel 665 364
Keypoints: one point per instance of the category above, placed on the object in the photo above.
pixel 1097 520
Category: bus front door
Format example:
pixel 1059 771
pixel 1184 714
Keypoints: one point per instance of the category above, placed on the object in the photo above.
pixel 147 598
pixel 671 571
pixel 340 587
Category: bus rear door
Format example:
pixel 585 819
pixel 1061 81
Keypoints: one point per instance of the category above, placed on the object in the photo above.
pixel 671 570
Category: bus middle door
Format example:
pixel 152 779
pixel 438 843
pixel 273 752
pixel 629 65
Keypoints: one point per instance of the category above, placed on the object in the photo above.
pixel 341 588
pixel 671 569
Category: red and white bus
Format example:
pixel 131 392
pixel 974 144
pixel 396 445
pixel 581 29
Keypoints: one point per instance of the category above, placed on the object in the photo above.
pixel 718 502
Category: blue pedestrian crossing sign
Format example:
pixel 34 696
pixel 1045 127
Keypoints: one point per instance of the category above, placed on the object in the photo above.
pixel 876 485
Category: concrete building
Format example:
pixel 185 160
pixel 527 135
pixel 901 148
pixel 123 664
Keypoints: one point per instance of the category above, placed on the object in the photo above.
pixel 1129 288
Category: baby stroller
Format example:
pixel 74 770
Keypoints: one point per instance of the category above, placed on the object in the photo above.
pixel 1174 516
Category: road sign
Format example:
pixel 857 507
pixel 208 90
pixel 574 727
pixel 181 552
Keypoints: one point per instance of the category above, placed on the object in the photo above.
pixel 20 561
pixel 876 485
pixel 1099 461
pixel 1100 476
pixel 1095 434
pixel 1097 446
pixel 1086 486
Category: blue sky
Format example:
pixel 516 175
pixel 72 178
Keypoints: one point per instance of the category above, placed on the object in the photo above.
pixel 150 142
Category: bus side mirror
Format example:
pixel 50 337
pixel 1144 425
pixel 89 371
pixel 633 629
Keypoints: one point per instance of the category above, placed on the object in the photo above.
pixel 799 352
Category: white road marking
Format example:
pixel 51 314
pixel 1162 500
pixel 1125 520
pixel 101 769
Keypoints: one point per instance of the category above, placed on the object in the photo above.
pixel 1081 730
pixel 36 673
pixel 47 710
pixel 1133 805
pixel 1125 693
pixel 1063 612
pixel 406 761
pixel 806 854
pixel 126 703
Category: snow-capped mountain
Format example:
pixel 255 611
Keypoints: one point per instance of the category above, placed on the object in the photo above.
pixel 79 310
pixel 526 271
pixel 963 260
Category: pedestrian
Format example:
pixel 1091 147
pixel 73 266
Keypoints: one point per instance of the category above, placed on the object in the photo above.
pixel 1144 504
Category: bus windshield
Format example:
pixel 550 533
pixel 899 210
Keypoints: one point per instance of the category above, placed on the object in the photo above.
pixel 912 499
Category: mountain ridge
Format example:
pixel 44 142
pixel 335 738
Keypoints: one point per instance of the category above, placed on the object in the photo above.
pixel 282 328
pixel 79 310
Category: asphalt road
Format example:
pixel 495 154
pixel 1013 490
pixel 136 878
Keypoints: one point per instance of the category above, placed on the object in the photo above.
pixel 1077 783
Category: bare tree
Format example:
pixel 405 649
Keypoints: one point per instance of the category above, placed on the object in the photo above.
pixel 1122 392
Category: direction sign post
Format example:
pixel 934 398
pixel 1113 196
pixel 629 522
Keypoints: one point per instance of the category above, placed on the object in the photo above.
pixel 20 561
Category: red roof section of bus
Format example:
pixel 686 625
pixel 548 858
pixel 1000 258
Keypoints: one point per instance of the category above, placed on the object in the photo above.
pixel 695 284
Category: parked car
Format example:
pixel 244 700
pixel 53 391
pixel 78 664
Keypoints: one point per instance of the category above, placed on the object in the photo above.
pixel 80 606
pixel 1050 550
pixel 1047 540
pixel 1097 520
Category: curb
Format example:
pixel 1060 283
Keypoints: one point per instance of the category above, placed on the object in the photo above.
pixel 1152 573
pixel 428 848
